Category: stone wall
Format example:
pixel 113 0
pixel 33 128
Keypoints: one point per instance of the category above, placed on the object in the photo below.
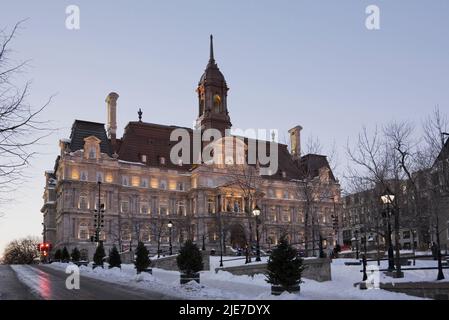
pixel 315 269
pixel 169 262
pixel 430 290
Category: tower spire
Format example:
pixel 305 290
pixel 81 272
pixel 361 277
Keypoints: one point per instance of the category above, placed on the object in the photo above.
pixel 211 57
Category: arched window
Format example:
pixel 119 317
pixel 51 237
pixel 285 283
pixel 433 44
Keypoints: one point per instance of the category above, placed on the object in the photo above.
pixel 217 103
pixel 83 231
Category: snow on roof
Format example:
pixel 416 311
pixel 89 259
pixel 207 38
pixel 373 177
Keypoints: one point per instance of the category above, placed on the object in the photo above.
pixel 130 162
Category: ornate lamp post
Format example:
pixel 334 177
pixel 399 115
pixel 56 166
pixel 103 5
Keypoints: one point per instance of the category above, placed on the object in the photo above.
pixel 170 227
pixel 256 213
pixel 387 200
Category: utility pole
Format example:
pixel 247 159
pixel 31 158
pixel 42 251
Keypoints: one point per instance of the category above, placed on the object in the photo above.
pixel 99 217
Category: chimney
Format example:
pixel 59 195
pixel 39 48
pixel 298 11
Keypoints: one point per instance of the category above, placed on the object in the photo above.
pixel 111 101
pixel 295 142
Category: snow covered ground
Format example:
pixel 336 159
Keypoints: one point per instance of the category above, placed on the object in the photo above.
pixel 223 285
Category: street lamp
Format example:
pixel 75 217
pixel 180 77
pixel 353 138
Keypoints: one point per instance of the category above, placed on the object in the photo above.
pixel 387 199
pixel 170 226
pixel 356 240
pixel 256 213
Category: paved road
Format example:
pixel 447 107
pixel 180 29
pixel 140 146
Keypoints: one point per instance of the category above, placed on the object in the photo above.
pixel 50 285
pixel 10 286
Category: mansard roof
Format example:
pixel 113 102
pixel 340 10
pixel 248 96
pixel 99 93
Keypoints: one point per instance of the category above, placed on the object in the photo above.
pixel 82 129
pixel 153 141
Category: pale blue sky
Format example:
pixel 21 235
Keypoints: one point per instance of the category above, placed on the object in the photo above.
pixel 286 62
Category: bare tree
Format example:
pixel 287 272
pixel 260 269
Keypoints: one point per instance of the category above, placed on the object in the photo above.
pixel 20 126
pixel 22 251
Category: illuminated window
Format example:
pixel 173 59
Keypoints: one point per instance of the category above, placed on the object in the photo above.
pixel 135 181
pixel 217 103
pixel 109 178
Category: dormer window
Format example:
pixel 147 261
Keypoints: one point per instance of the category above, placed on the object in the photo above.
pixel 92 148
pixel 92 153
pixel 284 174
pixel 162 160
pixel 143 158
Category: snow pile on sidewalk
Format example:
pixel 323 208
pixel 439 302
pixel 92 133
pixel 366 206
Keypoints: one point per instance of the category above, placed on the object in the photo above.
pixel 224 285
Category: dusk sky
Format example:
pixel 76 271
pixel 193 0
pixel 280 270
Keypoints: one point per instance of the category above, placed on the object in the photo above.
pixel 312 63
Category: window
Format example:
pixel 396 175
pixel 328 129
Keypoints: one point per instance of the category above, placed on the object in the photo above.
pixel 125 180
pixel 286 217
pixel 180 208
pixel 93 152
pixel 144 208
pixel 286 194
pixel 83 175
pixel 100 177
pixel 217 103
pixel 162 160
pixel 180 186
pixel 144 182
pixel 163 210
pixel 83 231
pixel 406 235
pixel 270 193
pixel 210 205
pixel 144 158
pixel 163 184
pixel 83 203
pixel 124 206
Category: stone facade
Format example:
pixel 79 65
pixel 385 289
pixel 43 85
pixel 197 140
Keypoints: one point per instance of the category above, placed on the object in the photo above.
pixel 142 189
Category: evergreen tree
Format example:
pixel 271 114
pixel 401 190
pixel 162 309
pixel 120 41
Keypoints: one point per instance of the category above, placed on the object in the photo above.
pixel 65 256
pixel 99 255
pixel 58 255
pixel 284 265
pixel 190 259
pixel 142 258
pixel 76 255
pixel 114 258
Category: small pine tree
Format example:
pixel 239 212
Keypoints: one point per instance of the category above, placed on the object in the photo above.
pixel 65 255
pixel 284 265
pixel 58 255
pixel 99 255
pixel 190 259
pixel 142 258
pixel 76 255
pixel 114 258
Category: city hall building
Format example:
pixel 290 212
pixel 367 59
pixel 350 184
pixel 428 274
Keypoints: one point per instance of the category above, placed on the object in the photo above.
pixel 142 189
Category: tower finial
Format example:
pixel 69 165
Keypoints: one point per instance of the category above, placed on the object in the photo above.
pixel 211 58
pixel 140 114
